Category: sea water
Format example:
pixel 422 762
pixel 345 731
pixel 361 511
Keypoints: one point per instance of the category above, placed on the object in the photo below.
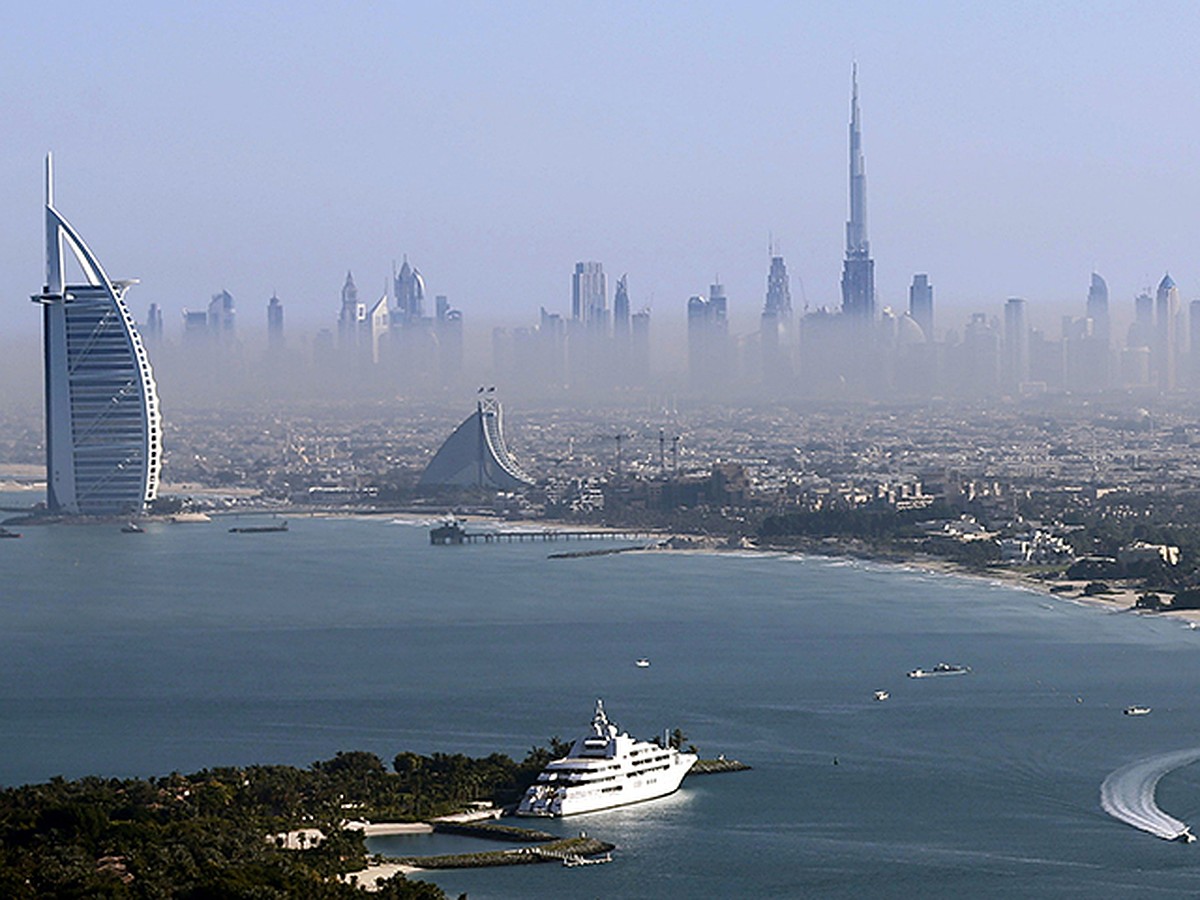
pixel 188 646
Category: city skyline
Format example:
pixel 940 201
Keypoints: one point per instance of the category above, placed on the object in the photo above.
pixel 994 186
pixel 853 352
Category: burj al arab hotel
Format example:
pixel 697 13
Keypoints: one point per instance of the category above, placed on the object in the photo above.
pixel 103 427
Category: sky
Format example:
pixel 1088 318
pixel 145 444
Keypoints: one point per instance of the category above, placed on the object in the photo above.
pixel 1011 149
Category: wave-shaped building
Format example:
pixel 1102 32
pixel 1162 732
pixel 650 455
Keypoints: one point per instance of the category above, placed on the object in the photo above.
pixel 103 426
pixel 475 455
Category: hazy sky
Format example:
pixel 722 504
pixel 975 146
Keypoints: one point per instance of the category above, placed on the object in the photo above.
pixel 1010 148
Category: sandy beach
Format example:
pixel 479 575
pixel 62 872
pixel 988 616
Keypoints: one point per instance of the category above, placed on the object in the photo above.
pixel 368 879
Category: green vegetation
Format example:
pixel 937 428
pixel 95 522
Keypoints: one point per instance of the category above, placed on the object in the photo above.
pixel 208 835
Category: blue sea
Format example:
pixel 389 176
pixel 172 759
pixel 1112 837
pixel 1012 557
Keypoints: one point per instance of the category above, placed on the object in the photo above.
pixel 188 646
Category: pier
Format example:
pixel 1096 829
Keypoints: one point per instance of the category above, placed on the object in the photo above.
pixel 455 533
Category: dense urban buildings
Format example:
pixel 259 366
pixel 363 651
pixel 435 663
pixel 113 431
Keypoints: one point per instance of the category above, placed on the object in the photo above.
pixel 103 431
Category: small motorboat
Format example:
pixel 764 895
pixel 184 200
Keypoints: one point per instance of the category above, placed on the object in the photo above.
pixel 5 533
pixel 1137 710
pixel 882 695
pixel 642 663
pixel 132 528
pixel 942 668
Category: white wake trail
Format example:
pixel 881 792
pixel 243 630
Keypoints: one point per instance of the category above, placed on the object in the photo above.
pixel 1128 793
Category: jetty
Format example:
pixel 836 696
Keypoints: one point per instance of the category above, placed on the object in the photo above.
pixel 716 766
pixel 554 851
pixel 607 551
pixel 454 533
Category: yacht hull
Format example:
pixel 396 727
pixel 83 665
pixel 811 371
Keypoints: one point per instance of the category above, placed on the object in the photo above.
pixel 556 802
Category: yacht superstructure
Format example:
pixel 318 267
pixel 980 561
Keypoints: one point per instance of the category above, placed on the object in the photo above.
pixel 605 768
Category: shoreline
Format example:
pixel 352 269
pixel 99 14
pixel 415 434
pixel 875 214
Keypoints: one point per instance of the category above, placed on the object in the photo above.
pixel 1120 598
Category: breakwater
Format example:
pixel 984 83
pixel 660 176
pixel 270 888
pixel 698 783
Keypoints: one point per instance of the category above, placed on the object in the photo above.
pixel 717 766
pixel 607 551
pixel 554 851
pixel 492 831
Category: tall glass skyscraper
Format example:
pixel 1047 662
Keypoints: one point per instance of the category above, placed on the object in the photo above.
pixel 103 427
pixel 858 272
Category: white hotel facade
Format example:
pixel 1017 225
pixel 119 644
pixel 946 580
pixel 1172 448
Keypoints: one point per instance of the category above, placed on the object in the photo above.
pixel 103 425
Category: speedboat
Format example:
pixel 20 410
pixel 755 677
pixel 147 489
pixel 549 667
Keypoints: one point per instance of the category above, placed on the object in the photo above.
pixel 942 668
pixel 882 695
pixel 605 768
pixel 1137 710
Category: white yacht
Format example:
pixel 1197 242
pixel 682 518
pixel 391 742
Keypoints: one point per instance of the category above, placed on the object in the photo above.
pixel 942 668
pixel 605 768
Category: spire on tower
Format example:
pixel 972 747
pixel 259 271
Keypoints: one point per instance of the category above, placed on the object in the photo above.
pixel 856 228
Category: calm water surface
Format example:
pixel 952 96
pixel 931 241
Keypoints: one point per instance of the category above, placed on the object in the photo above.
pixel 189 647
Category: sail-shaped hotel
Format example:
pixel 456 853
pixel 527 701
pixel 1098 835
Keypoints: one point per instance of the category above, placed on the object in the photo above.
pixel 103 427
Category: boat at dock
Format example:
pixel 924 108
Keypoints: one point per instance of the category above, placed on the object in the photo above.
pixel 939 669
pixel 605 768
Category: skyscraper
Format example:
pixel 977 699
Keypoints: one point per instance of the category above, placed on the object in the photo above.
pixel 708 340
pixel 1141 331
pixel 409 290
pixel 1087 342
pixel 920 304
pixel 222 317
pixel 773 324
pixel 639 347
pixel 449 327
pixel 858 273
pixel 1016 343
pixel 103 426
pixel 1165 358
pixel 589 296
pixel 274 322
pixel 779 291
pixel 1097 309
pixel 153 329
pixel 351 318
pixel 1194 344
pixel 621 308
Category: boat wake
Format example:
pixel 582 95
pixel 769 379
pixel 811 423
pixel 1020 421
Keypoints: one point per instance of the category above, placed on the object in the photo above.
pixel 1128 793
